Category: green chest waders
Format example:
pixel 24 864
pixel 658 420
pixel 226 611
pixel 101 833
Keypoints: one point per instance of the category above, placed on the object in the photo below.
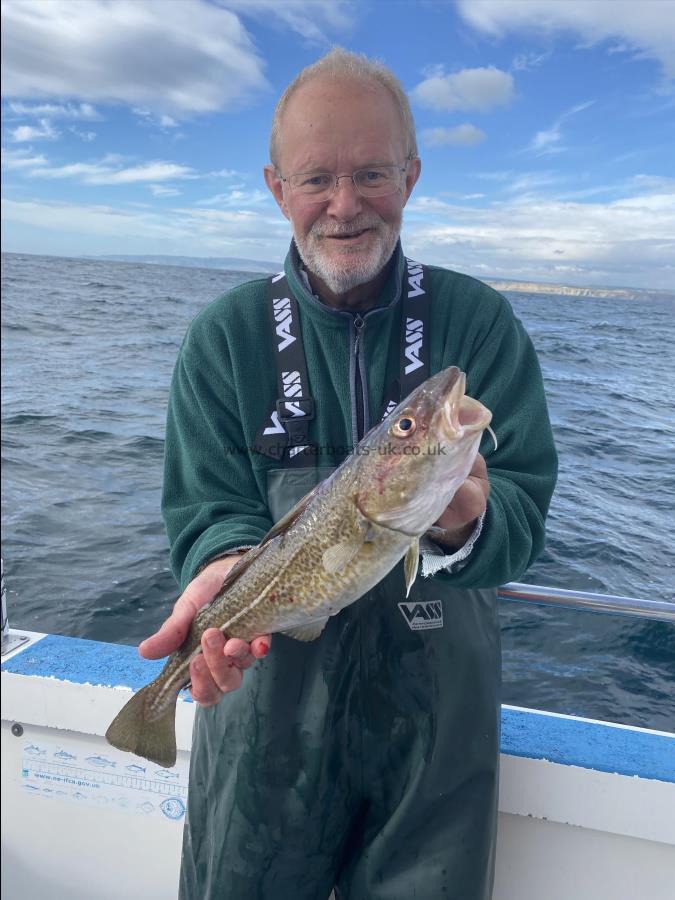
pixel 366 760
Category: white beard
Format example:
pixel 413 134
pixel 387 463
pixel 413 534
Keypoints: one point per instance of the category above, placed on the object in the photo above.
pixel 350 269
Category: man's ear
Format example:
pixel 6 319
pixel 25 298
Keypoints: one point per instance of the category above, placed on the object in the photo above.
pixel 275 184
pixel 412 174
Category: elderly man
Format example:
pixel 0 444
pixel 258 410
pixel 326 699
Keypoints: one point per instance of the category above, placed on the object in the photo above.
pixel 364 761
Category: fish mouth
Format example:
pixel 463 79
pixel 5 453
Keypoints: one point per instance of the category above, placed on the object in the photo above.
pixel 462 415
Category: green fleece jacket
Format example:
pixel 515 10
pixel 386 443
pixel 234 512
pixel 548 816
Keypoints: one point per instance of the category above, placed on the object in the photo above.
pixel 215 494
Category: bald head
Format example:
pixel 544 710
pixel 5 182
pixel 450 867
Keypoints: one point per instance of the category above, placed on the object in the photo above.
pixel 361 75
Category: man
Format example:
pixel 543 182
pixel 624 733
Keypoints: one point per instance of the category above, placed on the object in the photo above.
pixel 367 759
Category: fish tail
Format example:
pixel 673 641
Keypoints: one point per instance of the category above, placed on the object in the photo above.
pixel 138 729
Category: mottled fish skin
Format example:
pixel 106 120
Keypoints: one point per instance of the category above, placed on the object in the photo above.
pixel 332 548
pixel 286 586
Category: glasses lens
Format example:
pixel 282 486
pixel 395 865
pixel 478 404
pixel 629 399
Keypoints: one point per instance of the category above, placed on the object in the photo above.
pixel 377 181
pixel 320 184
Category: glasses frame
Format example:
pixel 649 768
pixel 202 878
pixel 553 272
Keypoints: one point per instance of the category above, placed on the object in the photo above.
pixel 336 181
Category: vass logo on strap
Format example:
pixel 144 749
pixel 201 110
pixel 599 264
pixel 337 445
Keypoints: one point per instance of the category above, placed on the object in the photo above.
pixel 292 388
pixel 414 337
pixel 422 616
pixel 415 274
pixel 283 316
pixel 414 327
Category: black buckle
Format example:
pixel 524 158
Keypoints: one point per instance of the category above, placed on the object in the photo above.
pixel 286 413
pixel 294 414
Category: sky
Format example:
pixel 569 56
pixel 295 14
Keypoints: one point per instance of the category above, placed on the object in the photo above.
pixel 546 128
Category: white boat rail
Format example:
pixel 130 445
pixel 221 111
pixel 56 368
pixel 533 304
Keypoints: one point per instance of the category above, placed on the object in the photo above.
pixel 659 610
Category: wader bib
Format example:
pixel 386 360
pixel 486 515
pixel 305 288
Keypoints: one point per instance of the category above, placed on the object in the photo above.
pixel 366 760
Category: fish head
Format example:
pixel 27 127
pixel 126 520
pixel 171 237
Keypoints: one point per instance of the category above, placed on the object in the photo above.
pixel 411 464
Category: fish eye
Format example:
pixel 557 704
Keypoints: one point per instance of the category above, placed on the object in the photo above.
pixel 404 427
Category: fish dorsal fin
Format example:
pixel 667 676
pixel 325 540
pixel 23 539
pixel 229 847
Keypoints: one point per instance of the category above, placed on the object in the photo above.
pixel 291 516
pixel 338 557
pixel 279 528
pixel 239 568
pixel 411 565
pixel 308 632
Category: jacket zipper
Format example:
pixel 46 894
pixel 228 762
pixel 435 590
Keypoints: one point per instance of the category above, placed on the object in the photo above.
pixel 359 411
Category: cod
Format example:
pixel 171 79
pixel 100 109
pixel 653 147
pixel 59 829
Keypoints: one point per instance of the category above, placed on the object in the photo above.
pixel 335 544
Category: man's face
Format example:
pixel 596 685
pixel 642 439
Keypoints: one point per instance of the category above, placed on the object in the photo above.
pixel 340 127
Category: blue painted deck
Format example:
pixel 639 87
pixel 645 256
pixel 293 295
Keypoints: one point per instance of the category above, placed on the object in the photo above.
pixel 564 740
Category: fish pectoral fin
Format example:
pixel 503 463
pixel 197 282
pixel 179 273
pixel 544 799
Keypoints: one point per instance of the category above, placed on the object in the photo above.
pixel 411 565
pixel 338 557
pixel 308 632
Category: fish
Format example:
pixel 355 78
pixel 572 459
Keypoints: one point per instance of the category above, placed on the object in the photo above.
pixel 331 548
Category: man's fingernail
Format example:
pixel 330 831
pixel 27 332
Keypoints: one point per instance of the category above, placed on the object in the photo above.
pixel 213 641
pixel 242 651
pixel 264 649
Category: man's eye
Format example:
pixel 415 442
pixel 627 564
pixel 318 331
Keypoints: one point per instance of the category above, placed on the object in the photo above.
pixel 373 175
pixel 316 180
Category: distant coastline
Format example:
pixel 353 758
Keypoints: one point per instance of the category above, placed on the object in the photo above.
pixel 499 284
pixel 566 290
pixel 231 263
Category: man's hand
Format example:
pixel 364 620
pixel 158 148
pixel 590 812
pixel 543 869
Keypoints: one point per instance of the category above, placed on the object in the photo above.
pixel 220 666
pixel 468 504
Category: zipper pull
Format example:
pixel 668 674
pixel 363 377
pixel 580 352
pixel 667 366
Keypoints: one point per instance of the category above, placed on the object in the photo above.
pixel 358 324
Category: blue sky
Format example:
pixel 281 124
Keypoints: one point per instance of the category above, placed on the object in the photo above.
pixel 546 128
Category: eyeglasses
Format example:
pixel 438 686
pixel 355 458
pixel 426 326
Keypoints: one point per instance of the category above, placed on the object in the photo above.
pixel 375 181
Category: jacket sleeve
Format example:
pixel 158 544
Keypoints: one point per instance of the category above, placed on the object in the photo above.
pixel 504 374
pixel 211 502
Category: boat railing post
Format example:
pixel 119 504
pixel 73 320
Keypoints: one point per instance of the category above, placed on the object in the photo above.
pixel 9 641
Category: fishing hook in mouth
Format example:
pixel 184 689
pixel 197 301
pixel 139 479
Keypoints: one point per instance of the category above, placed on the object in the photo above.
pixel 493 436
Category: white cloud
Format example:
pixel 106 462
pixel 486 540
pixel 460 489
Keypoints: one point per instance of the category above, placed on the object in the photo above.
pixel 465 135
pixel 481 89
pixel 525 61
pixel 160 121
pixel 81 218
pixel 22 159
pixel 548 141
pixel 532 236
pixel 101 51
pixel 225 173
pixel 45 131
pixel 180 231
pixel 86 136
pixel 161 190
pixel 647 26
pixel 237 197
pixel 311 19
pixel 83 111
pixel 103 172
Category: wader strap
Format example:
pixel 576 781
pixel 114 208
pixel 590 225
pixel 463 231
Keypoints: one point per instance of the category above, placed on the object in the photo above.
pixel 414 366
pixel 287 424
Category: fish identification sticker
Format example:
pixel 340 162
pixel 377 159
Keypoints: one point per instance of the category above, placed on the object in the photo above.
pixel 422 616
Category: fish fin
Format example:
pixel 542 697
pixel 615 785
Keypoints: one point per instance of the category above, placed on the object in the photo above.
pixel 411 565
pixel 135 731
pixel 337 557
pixel 239 568
pixel 281 526
pixel 308 632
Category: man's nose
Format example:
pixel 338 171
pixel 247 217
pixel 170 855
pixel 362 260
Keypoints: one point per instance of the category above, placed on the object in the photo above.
pixel 345 202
